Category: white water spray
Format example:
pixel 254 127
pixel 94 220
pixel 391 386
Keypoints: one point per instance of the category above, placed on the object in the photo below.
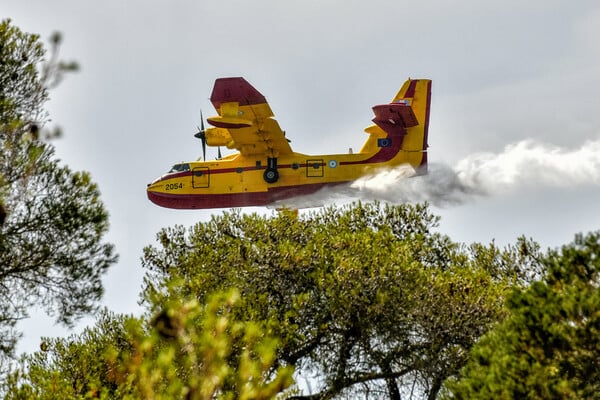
pixel 526 163
pixel 533 164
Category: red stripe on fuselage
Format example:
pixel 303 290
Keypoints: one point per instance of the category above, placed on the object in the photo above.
pixel 383 155
pixel 237 169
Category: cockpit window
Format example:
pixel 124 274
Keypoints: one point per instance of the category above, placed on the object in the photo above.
pixel 179 168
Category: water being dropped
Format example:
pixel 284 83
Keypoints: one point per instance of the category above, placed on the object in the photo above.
pixel 525 163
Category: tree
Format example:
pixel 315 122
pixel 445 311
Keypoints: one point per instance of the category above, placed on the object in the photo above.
pixel 185 351
pixel 549 346
pixel 73 366
pixel 365 299
pixel 53 221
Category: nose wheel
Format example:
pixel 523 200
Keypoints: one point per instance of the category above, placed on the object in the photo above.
pixel 271 175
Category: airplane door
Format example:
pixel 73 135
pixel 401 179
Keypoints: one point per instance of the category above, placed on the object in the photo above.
pixel 200 177
pixel 314 168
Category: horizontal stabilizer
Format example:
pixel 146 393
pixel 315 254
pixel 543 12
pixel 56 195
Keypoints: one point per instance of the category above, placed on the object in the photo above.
pixel 394 118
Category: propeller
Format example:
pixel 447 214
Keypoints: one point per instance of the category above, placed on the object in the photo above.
pixel 201 134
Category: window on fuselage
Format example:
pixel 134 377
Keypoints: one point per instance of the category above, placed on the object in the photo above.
pixel 179 168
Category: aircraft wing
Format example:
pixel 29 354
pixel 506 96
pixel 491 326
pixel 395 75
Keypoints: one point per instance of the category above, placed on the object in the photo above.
pixel 245 120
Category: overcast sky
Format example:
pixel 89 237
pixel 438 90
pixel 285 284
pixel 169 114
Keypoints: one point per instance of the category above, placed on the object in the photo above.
pixel 515 108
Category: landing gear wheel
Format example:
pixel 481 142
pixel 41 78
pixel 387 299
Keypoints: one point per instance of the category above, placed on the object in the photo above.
pixel 271 175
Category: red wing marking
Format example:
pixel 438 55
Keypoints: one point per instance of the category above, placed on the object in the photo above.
pixel 235 90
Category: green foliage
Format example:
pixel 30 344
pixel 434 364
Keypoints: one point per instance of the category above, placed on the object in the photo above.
pixel 23 94
pixel 74 367
pixel 367 297
pixel 186 351
pixel 549 347
pixel 204 352
pixel 26 75
pixel 52 220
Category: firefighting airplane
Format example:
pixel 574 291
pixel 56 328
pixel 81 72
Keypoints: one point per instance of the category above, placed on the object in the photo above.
pixel 266 169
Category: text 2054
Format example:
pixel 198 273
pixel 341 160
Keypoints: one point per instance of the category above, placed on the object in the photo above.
pixel 173 186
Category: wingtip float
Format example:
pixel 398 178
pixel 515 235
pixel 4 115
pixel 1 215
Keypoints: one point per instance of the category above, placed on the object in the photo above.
pixel 265 169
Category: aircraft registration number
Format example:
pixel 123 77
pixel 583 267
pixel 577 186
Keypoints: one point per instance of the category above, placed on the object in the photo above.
pixel 173 186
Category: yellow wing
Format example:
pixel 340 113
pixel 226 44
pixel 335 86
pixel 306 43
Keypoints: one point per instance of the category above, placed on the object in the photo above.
pixel 245 120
